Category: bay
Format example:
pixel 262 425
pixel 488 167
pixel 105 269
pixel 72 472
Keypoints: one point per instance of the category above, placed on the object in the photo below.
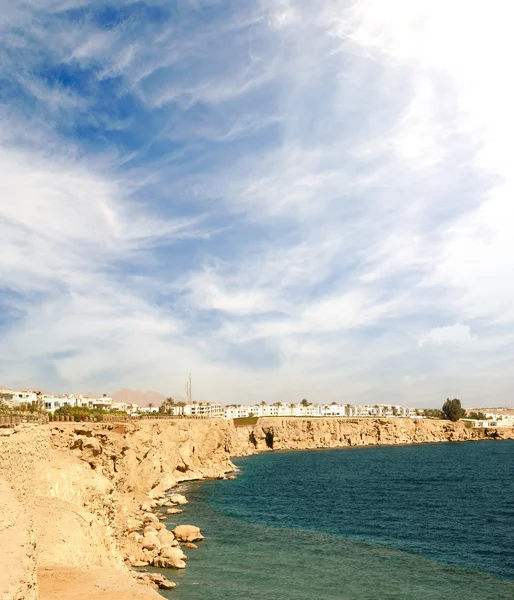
pixel 406 522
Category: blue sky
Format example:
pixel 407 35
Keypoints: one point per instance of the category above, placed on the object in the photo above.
pixel 288 199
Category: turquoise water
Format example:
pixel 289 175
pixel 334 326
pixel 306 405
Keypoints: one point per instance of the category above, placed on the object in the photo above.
pixel 410 522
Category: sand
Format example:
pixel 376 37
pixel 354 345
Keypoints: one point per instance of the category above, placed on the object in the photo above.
pixel 90 583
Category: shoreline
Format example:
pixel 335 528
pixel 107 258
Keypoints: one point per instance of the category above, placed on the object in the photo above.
pixel 81 487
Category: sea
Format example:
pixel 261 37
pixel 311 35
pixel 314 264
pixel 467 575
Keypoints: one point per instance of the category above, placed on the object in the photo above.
pixel 418 522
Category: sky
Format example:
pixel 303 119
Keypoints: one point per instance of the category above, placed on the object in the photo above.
pixel 288 199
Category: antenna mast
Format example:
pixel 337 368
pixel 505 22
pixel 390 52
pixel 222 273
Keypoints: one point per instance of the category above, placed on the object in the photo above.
pixel 189 394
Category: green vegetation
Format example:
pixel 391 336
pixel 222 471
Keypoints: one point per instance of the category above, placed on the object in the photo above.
pixel 304 402
pixel 167 405
pixel 433 413
pixel 453 410
pixel 79 413
pixel 479 416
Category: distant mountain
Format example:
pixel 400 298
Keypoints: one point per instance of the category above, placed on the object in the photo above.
pixel 138 397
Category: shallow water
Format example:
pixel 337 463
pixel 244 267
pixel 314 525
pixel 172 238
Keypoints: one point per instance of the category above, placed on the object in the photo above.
pixel 409 522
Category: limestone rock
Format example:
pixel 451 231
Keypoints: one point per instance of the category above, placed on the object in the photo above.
pixel 174 511
pixel 178 499
pixel 150 518
pixel 150 541
pixel 170 552
pixel 172 558
pixel 187 533
pixel 138 563
pixel 166 537
pixel 190 545
pixel 153 580
pixel 150 529
pixel 162 582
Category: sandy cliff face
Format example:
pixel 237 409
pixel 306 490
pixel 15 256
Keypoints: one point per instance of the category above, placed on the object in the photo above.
pixel 20 451
pixel 281 434
pixel 89 494
pixel 78 489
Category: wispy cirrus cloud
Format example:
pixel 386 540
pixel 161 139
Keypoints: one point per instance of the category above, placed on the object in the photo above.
pixel 299 199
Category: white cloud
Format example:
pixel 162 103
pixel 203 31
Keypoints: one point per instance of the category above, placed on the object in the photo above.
pixel 451 335
pixel 478 260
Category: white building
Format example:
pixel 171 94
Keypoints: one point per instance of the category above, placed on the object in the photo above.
pixel 237 412
pixel 149 409
pixel 500 420
pixel 317 410
pixel 14 398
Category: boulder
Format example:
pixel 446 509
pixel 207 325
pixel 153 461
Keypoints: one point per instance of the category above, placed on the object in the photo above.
pixel 170 558
pixel 166 537
pixel 149 517
pixel 174 511
pixel 144 580
pixel 178 499
pixel 150 529
pixel 138 563
pixel 168 563
pixel 171 552
pixel 150 541
pixel 153 580
pixel 161 581
pixel 190 545
pixel 187 533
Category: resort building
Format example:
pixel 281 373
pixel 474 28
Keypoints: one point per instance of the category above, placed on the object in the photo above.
pixel 202 409
pixel 317 410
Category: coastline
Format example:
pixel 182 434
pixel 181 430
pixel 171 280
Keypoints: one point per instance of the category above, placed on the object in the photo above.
pixel 238 521
pixel 92 484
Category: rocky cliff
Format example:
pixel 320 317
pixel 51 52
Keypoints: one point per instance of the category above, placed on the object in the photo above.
pixel 304 433
pixel 83 491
